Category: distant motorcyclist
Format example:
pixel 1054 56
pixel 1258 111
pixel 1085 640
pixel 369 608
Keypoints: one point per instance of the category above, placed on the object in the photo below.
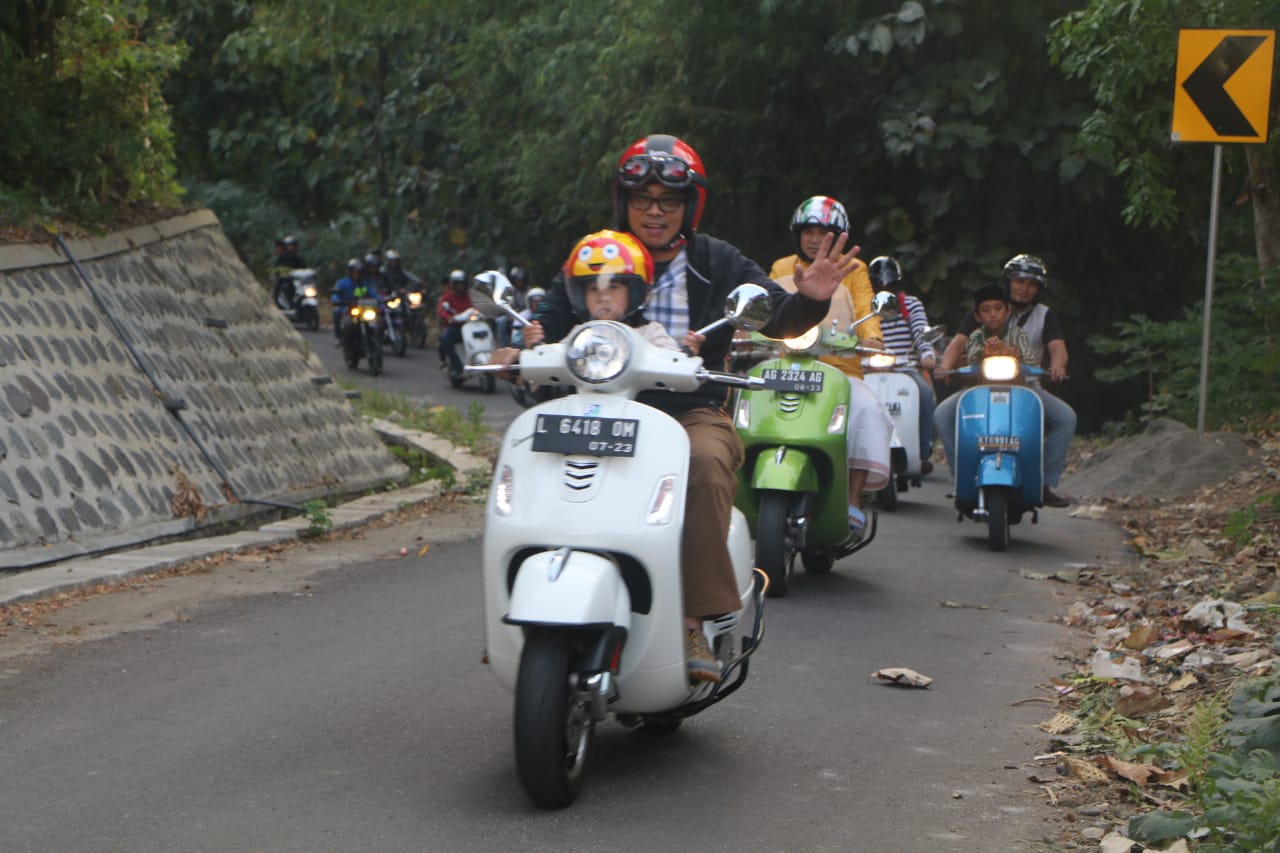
pixel 394 274
pixel 519 279
pixel 453 310
pixel 286 258
pixel 373 276
pixel 345 293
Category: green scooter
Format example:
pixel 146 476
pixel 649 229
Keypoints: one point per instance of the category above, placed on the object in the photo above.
pixel 793 485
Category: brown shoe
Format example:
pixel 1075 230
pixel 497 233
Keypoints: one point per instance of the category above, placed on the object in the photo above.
pixel 1050 499
pixel 703 665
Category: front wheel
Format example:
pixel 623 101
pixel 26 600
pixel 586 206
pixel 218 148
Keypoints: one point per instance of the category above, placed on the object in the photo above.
pixel 771 541
pixel 997 503
pixel 490 383
pixel 375 355
pixel 553 722
pixel 400 345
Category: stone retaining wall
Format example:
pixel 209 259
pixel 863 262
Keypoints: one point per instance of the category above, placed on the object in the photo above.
pixel 120 412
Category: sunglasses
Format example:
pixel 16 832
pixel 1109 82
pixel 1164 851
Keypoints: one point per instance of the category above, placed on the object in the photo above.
pixel 669 171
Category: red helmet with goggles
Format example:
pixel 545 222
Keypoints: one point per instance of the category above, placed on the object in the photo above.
pixel 668 161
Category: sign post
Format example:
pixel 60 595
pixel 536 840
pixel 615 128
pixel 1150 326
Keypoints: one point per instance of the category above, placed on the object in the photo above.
pixel 1223 94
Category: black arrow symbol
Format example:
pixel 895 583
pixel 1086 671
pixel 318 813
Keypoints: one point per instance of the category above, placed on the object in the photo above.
pixel 1204 85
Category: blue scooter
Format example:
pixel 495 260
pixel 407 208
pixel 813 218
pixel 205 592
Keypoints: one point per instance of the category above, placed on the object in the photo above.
pixel 999 450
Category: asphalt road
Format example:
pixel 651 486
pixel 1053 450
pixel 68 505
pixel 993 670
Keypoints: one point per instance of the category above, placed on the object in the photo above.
pixel 348 710
pixel 418 376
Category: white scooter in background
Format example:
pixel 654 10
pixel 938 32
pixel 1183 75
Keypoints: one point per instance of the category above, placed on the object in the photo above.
pixel 582 590
pixel 475 348
pixel 889 376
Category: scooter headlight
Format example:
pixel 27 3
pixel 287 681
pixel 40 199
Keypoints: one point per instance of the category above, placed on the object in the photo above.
pixel 368 314
pixel 393 304
pixel 415 299
pixel 803 342
pixel 503 489
pixel 309 292
pixel 881 361
pixel 599 352
pixel 1000 368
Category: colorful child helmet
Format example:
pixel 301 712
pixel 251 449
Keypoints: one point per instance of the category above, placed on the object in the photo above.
pixel 822 211
pixel 613 253
pixel 670 162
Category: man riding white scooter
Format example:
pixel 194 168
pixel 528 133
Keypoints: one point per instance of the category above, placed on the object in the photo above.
pixel 659 193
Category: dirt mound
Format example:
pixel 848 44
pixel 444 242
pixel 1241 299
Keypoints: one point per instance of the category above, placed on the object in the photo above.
pixel 1168 460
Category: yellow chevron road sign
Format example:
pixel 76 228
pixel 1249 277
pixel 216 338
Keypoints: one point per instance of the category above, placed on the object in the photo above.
pixel 1223 85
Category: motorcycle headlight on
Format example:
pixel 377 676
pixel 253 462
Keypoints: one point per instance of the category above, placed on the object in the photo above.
pixel 393 304
pixel 415 299
pixel 1000 368
pixel 309 292
pixel 881 361
pixel 354 311
pixel 803 342
pixel 368 314
pixel 599 352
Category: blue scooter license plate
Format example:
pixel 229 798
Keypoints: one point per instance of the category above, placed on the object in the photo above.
pixel 794 381
pixel 1005 443
pixel 586 435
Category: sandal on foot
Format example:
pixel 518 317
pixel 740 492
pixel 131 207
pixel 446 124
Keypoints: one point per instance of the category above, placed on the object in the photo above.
pixel 857 520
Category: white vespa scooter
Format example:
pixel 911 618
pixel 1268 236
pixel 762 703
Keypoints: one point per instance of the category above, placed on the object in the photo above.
pixel 474 349
pixel 888 376
pixel 582 592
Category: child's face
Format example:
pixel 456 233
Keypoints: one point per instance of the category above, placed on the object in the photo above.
pixel 606 298
pixel 993 314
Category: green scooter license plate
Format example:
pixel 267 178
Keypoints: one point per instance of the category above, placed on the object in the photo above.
pixel 794 381
pixel 586 435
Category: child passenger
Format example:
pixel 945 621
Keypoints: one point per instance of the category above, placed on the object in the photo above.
pixel 996 335
pixel 607 277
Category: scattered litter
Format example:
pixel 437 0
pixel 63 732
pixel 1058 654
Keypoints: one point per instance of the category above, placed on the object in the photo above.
pixel 902 677
pixel 1216 613
pixel 962 606
pixel 1102 665
pixel 1059 723
pixel 424 549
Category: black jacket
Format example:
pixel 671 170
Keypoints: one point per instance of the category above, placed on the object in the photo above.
pixel 715 268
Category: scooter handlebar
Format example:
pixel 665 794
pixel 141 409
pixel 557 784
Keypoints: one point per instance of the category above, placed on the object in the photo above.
pixel 722 378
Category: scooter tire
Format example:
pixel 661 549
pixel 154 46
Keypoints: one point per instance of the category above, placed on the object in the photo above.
pixel 997 503
pixel 772 553
pixel 553 723
pixel 887 498
pixel 490 384
pixel 313 320
pixel 401 346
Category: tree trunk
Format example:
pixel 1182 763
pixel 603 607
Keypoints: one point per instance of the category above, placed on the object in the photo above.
pixel 1264 185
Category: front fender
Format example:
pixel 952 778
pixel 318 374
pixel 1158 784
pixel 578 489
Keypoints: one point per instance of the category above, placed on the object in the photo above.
pixel 998 469
pixel 581 588
pixel 785 469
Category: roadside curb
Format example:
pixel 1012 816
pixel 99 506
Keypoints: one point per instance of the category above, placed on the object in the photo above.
pixel 86 572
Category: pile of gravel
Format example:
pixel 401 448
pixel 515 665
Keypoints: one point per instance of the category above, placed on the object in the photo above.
pixel 1168 460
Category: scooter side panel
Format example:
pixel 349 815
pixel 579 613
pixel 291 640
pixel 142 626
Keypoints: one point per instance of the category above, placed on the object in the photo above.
pixel 608 516
pixel 900 397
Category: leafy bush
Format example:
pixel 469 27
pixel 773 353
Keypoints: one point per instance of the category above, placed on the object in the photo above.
pixel 87 128
pixel 1244 354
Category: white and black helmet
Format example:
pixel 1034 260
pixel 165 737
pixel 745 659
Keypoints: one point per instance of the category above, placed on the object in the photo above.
pixel 1027 266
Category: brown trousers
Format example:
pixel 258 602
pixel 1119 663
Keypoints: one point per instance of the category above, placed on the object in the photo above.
pixel 716 454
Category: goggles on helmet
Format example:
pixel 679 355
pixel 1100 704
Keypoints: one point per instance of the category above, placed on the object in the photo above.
pixel 669 171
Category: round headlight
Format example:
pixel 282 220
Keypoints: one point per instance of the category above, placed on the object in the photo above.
pixel 1000 368
pixel 599 352
pixel 394 303
pixel 881 360
pixel 803 342
pixel 415 299
pixel 369 315
pixel 309 292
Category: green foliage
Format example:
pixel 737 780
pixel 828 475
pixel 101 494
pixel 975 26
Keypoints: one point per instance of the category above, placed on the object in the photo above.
pixel 1237 791
pixel 467 430
pixel 86 126
pixel 1242 525
pixel 1165 356
pixel 317 514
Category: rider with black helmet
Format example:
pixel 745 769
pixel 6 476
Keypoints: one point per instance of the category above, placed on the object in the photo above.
pixel 1024 279
pixel 904 335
